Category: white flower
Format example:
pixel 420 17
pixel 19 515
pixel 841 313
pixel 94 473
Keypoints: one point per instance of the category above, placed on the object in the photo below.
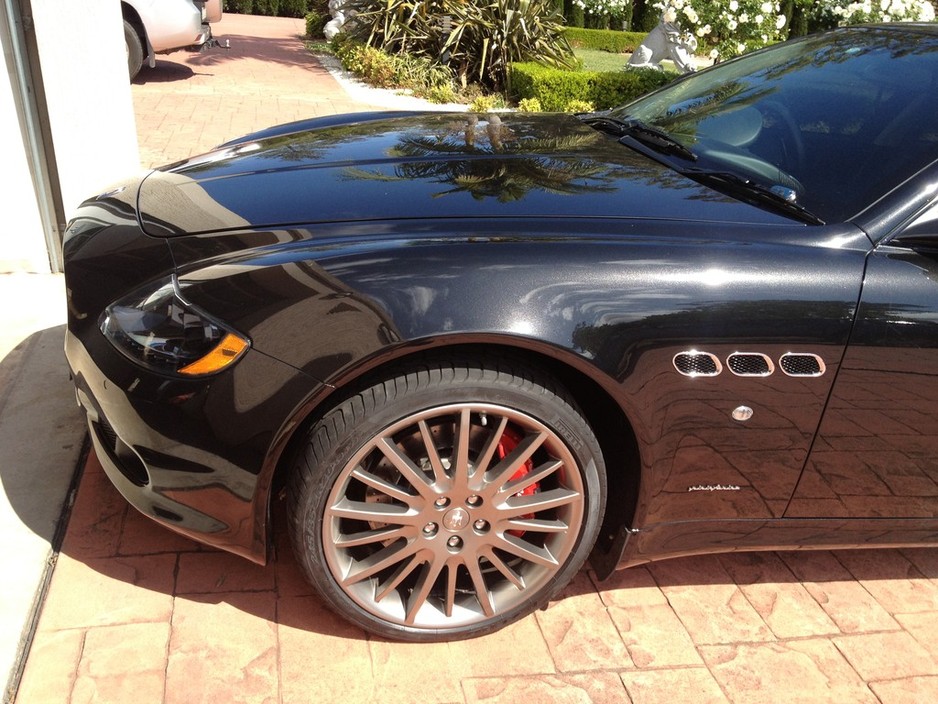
pixel 766 8
pixel 744 18
pixel 741 47
pixel 759 19
pixel 780 21
pixel 732 24
pixel 691 14
pixel 714 54
pixel 670 16
pixel 734 5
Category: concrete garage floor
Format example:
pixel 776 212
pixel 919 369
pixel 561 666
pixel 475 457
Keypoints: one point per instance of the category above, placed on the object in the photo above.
pixel 136 613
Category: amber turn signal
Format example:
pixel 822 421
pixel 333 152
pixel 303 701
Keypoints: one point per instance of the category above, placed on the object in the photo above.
pixel 224 353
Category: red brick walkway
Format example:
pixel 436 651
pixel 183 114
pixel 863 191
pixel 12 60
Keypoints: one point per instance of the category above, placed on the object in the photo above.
pixel 190 102
pixel 138 614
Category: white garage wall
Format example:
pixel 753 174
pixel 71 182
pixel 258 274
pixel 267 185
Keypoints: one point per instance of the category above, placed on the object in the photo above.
pixel 22 245
pixel 90 116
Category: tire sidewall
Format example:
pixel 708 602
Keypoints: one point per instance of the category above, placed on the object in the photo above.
pixel 387 403
pixel 134 47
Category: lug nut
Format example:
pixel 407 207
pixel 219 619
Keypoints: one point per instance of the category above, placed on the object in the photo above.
pixel 441 502
pixel 454 542
pixel 430 529
pixel 474 500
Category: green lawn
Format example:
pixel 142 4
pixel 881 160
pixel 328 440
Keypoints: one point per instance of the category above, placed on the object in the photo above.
pixel 594 60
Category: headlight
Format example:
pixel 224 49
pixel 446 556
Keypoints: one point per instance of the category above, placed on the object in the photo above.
pixel 161 330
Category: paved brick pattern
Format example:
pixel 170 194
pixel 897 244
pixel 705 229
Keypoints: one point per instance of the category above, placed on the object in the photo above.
pixel 136 613
pixel 192 102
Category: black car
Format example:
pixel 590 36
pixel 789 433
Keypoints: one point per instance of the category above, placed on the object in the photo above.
pixel 472 350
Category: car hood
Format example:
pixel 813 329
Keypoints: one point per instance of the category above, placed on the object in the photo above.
pixel 512 165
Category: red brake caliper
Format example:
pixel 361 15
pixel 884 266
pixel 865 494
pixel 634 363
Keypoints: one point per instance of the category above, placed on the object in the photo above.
pixel 509 441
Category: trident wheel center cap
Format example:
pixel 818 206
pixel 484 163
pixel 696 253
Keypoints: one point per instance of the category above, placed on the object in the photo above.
pixel 456 519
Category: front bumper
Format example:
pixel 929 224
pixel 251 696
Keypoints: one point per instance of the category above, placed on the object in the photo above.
pixel 198 455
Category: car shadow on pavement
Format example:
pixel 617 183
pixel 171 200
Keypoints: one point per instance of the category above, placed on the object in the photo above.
pixel 164 72
pixel 183 65
pixel 127 552
pixel 41 432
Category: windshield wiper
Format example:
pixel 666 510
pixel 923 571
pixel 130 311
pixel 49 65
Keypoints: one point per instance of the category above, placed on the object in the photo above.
pixel 650 136
pixel 778 196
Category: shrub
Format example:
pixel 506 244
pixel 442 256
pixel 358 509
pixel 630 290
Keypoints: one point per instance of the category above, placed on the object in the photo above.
pixel 579 106
pixel 487 103
pixel 315 22
pixel 529 105
pixel 555 89
pixel 294 8
pixel 243 7
pixel 266 7
pixel 603 39
pixel 480 40
pixel 441 94
pixel 384 70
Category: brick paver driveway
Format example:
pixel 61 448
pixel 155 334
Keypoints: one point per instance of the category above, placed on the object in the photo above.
pixel 138 614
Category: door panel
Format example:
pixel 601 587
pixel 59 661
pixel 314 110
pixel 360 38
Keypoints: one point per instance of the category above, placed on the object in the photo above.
pixel 876 454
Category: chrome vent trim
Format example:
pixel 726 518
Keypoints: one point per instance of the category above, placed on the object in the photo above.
pixel 802 364
pixel 750 364
pixel 693 363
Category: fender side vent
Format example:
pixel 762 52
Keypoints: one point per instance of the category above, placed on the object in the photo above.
pixel 750 364
pixel 694 363
pixel 798 364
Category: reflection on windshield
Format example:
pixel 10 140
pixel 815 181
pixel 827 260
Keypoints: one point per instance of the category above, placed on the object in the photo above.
pixel 839 118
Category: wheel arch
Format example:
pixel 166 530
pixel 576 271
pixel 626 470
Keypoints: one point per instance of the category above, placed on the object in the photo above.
pixel 606 417
pixel 133 17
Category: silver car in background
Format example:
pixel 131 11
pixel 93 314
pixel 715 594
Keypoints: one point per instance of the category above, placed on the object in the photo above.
pixel 154 27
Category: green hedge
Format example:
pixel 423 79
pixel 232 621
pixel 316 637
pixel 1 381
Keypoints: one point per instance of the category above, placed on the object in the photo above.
pixel 603 39
pixel 277 8
pixel 555 88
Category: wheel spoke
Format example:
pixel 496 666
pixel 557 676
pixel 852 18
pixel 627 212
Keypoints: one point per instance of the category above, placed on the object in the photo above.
pixel 536 525
pixel 397 577
pixel 526 551
pixel 375 512
pixel 482 591
pixel 369 537
pixel 536 475
pixel 439 473
pixel 384 486
pixel 515 460
pixel 488 452
pixel 461 449
pixel 509 574
pixel 381 560
pixel 406 467
pixel 450 597
pixel 426 580
pixel 520 505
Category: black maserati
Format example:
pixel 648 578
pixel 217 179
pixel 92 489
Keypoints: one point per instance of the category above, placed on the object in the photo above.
pixel 472 350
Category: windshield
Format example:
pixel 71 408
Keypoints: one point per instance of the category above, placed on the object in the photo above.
pixel 838 119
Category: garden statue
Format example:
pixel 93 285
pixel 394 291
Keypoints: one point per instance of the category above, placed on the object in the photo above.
pixel 339 18
pixel 666 42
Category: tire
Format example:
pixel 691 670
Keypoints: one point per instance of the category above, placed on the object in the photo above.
pixel 134 50
pixel 447 501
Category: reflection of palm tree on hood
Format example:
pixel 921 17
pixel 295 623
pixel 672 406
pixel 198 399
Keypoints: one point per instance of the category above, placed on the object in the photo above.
pixel 486 159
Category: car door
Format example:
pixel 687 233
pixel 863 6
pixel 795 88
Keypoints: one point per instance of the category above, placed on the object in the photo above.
pixel 876 452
